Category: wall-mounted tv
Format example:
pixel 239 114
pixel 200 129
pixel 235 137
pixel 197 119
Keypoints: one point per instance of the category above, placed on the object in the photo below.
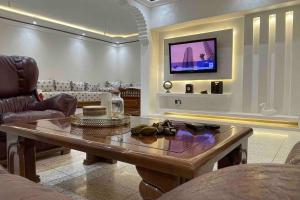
pixel 193 56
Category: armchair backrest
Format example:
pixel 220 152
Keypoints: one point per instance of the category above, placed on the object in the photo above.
pixel 18 76
pixel 18 81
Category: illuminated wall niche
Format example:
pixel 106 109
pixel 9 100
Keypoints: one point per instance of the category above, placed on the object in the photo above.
pixel 287 97
pixel 271 63
pixel 255 64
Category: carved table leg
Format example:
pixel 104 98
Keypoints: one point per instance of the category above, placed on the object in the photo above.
pixel 154 183
pixel 21 157
pixel 91 159
pixel 235 157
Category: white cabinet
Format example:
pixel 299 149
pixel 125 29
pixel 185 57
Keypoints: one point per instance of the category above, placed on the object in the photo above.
pixel 194 102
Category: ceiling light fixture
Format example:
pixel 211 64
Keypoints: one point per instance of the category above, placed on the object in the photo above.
pixel 47 19
pixel 34 22
pixel 83 34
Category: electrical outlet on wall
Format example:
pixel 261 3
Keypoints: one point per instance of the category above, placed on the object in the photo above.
pixel 178 102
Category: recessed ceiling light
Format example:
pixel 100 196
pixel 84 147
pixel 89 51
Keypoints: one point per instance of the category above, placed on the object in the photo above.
pixel 75 26
pixel 34 22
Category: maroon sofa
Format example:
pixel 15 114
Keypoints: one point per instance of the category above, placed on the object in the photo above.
pixel 19 100
pixel 245 182
pixel 13 187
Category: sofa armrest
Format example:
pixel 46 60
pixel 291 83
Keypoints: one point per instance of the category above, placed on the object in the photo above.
pixel 294 156
pixel 61 102
pixel 2 170
pixel 13 187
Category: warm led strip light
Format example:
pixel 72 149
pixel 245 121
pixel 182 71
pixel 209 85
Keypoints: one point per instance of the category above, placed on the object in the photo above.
pixel 229 119
pixel 35 16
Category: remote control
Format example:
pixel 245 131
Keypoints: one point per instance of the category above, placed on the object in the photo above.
pixel 212 126
pixel 195 126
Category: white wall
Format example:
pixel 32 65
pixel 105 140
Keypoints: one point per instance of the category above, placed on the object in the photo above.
pixel 63 56
pixel 176 13
pixel 148 80
pixel 257 85
pixel 166 23
pixel 231 85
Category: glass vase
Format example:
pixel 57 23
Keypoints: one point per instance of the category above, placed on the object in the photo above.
pixel 117 104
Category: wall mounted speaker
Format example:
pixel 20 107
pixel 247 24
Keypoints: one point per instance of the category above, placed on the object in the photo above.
pixel 217 87
pixel 189 88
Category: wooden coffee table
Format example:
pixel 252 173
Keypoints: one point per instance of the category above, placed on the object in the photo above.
pixel 163 162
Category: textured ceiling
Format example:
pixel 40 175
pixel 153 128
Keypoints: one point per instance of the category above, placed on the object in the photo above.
pixel 104 15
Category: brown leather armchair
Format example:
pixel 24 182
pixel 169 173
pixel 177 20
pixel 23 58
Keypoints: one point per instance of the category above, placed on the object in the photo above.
pixel 19 100
pixel 253 181
pixel 14 187
pixel 294 155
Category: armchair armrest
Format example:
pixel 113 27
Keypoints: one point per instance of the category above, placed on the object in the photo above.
pixel 61 102
pixel 294 156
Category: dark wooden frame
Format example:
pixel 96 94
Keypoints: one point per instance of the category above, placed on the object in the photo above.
pixel 157 178
pixel 132 101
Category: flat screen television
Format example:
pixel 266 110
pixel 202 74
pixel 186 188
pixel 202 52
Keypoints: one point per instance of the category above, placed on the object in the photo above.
pixel 193 56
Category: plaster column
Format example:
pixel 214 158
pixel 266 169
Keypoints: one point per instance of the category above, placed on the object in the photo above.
pixel 268 107
pixel 288 62
pixel 255 65
pixel 148 75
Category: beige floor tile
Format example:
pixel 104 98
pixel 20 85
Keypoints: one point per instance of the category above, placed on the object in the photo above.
pixel 136 196
pixel 43 168
pixel 120 181
pixel 77 167
pixel 264 145
pixel 51 175
pixel 98 188
pixel 125 177
pixel 285 150
pixel 70 194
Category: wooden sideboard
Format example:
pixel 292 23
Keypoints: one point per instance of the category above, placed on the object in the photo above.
pixel 132 101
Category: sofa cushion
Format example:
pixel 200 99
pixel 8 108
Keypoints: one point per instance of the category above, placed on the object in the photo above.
pixel 92 87
pixel 106 89
pixel 242 182
pixel 62 102
pixel 126 85
pixel 18 76
pixel 114 84
pixel 2 170
pixel 15 104
pixel 46 85
pixel 29 116
pixel 294 156
pixel 14 187
pixel 63 86
pixel 87 96
pixel 78 86
pixel 47 95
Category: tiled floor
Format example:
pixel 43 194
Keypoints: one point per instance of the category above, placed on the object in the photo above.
pixel 120 181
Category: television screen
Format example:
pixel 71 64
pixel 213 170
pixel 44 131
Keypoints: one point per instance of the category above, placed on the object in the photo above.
pixel 194 56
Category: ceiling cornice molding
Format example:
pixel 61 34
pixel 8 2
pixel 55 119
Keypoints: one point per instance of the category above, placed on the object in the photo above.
pixel 40 27
pixel 63 23
pixel 150 4
pixel 140 21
